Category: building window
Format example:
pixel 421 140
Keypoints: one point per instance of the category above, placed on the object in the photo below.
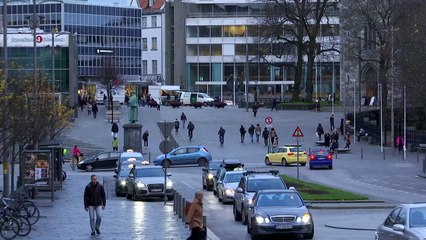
pixel 144 23
pixel 154 21
pixel 144 44
pixel 144 67
pixel 154 66
pixel 154 43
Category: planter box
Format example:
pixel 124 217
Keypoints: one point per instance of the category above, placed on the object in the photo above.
pixel 219 104
pixel 197 104
pixel 290 106
pixel 175 104
pixel 152 103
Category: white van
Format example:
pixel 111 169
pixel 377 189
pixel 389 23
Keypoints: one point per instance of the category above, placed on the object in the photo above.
pixel 187 98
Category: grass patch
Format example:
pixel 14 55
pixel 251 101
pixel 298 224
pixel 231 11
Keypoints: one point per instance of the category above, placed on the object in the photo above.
pixel 313 191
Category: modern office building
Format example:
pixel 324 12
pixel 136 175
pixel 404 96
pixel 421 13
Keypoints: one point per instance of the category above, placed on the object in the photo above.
pixel 105 32
pixel 153 34
pixel 211 42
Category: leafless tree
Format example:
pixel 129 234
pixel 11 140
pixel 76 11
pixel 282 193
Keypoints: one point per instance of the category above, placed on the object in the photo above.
pixel 109 75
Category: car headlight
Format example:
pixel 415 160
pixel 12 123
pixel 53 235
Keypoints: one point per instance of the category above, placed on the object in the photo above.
pixel 306 218
pixel 229 191
pixel 210 176
pixel 250 201
pixel 169 184
pixel 81 162
pixel 261 219
pixel 123 182
pixel 140 185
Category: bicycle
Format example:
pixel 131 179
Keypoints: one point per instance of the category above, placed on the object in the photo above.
pixel 22 206
pixel 9 227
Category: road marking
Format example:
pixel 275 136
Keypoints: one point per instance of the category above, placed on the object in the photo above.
pixel 410 187
pixel 191 187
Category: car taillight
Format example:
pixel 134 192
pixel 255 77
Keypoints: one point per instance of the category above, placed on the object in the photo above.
pixel 205 149
pixel 312 157
pixel 290 154
pixel 304 152
pixel 330 156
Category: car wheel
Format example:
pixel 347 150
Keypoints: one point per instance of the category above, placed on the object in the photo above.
pixel 202 162
pixel 310 167
pixel 237 215
pixel 309 235
pixel 134 197
pixel 303 164
pixel 166 163
pixel 117 194
pixel 253 235
pixel 208 188
pixel 171 198
pixel 243 216
pixel 331 167
pixel 205 104
pixel 267 162
pixel 89 168
pixel 128 196
pixel 284 162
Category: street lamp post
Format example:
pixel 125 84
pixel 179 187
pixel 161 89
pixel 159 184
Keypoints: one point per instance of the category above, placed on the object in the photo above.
pixel 381 116
pixel 405 123
pixel 53 57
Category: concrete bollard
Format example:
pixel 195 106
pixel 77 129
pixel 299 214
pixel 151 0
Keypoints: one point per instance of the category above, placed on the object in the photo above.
pixel 174 202
pixel 418 157
pixel 183 212
pixel 205 221
pixel 362 153
pixel 384 154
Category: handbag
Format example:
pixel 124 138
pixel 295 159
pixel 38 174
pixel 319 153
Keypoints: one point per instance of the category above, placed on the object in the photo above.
pixel 204 233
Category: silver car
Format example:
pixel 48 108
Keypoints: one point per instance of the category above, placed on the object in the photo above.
pixel 227 184
pixel 148 182
pixel 407 221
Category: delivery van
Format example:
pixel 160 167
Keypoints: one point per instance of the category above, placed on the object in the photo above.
pixel 188 98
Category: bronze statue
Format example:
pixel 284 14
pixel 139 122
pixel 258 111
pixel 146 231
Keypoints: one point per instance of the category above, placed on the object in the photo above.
pixel 133 111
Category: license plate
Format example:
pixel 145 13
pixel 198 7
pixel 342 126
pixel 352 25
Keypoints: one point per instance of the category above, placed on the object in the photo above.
pixel 284 226
pixel 156 190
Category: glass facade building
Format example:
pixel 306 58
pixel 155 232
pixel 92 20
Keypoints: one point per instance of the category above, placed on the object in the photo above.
pixel 101 29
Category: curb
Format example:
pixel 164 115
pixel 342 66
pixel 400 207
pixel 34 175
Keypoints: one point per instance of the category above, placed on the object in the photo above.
pixel 346 201
pixel 350 228
pixel 354 207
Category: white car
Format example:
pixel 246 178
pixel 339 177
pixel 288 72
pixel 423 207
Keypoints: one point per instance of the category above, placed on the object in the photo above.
pixel 227 184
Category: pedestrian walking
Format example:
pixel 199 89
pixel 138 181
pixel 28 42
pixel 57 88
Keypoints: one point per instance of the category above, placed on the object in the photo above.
pixel 400 143
pixel 114 129
pixel 94 109
pixel 194 218
pixel 126 99
pixel 275 143
pixel 115 144
pixel 94 203
pixel 255 108
pixel 327 140
pixel 76 154
pixel 348 141
pixel 221 134
pixel 274 105
pixel 251 132
pixel 272 135
pixel 242 133
pixel 320 131
pixel 257 131
pixel 190 130
pixel 176 126
pixel 183 119
pixel 145 136
pixel 265 135
pixel 89 109
pixel 332 122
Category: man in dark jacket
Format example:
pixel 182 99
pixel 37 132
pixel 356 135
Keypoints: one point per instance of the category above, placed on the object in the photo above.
pixel 190 130
pixel 251 132
pixel 114 129
pixel 94 202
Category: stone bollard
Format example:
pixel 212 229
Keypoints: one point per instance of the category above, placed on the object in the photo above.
pixel 418 157
pixel 180 206
pixel 384 154
pixel 362 153
pixel 183 212
pixel 149 157
pixel 174 202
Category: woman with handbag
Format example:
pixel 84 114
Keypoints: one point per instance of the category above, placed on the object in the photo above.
pixel 195 218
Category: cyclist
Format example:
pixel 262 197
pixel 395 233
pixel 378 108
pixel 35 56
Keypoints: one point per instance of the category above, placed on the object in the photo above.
pixel 76 154
pixel 221 134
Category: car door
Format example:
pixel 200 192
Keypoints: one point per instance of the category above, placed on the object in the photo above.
pixel 131 180
pixel 401 219
pixel 386 231
pixel 191 156
pixel 238 197
pixel 111 162
pixel 178 156
pixel 220 184
pixel 101 160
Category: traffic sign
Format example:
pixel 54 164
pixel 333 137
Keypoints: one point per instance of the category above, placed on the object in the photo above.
pixel 268 120
pixel 166 146
pixel 297 132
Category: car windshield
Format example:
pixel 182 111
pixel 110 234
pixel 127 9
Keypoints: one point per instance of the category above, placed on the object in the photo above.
pixel 279 200
pixel 150 172
pixel 320 152
pixel 417 217
pixel 124 172
pixel 214 165
pixel 255 185
pixel 235 177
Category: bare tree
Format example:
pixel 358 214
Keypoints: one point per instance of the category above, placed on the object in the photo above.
pixel 298 22
pixel 109 75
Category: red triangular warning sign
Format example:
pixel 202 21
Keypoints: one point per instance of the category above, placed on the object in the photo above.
pixel 298 132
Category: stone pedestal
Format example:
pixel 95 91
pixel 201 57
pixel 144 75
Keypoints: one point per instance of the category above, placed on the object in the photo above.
pixel 132 137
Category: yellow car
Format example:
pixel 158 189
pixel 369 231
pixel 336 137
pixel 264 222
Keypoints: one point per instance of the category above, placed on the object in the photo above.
pixel 286 155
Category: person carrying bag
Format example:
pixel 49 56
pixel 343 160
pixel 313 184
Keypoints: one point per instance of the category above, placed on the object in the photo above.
pixel 194 218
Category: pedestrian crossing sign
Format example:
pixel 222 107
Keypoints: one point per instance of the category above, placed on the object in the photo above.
pixel 298 132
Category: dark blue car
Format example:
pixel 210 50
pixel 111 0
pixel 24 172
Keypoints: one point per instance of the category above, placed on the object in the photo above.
pixel 320 157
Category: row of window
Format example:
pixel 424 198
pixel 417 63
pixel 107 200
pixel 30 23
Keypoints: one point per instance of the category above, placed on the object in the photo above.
pixel 153 22
pixel 276 49
pixel 154 67
pixel 154 45
pixel 97 61
pixel 94 71
pixel 102 20
pixel 111 31
pixel 108 41
pixel 245 31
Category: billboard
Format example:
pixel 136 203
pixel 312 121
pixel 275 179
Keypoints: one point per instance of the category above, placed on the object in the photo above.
pixel 42 40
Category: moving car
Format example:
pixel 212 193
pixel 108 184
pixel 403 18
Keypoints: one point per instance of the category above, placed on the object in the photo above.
pixel 121 182
pixel 279 212
pixel 226 165
pixel 185 155
pixel 103 160
pixel 148 182
pixel 320 158
pixel 286 155
pixel 208 173
pixel 407 221
pixel 249 184
pixel 227 184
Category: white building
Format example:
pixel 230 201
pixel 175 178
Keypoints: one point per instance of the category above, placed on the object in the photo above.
pixel 153 34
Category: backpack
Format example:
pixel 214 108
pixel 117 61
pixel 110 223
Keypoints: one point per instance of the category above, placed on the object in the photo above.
pixel 186 208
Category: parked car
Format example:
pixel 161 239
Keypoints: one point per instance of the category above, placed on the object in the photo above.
pixel 279 213
pixel 286 155
pixel 226 165
pixel 249 184
pixel 227 184
pixel 407 221
pixel 185 155
pixel 208 173
pixel 103 160
pixel 121 182
pixel 148 182
pixel 188 98
pixel 320 157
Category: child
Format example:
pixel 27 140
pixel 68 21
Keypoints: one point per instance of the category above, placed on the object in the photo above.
pixel 89 109
pixel 114 144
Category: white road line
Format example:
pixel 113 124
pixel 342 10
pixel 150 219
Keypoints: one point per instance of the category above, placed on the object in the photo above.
pixel 191 187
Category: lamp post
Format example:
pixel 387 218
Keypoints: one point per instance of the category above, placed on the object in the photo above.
pixel 53 57
pixel 6 176
pixel 381 116
pixel 405 123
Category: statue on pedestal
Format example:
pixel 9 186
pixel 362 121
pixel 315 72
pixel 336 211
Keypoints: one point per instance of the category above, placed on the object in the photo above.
pixel 133 111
